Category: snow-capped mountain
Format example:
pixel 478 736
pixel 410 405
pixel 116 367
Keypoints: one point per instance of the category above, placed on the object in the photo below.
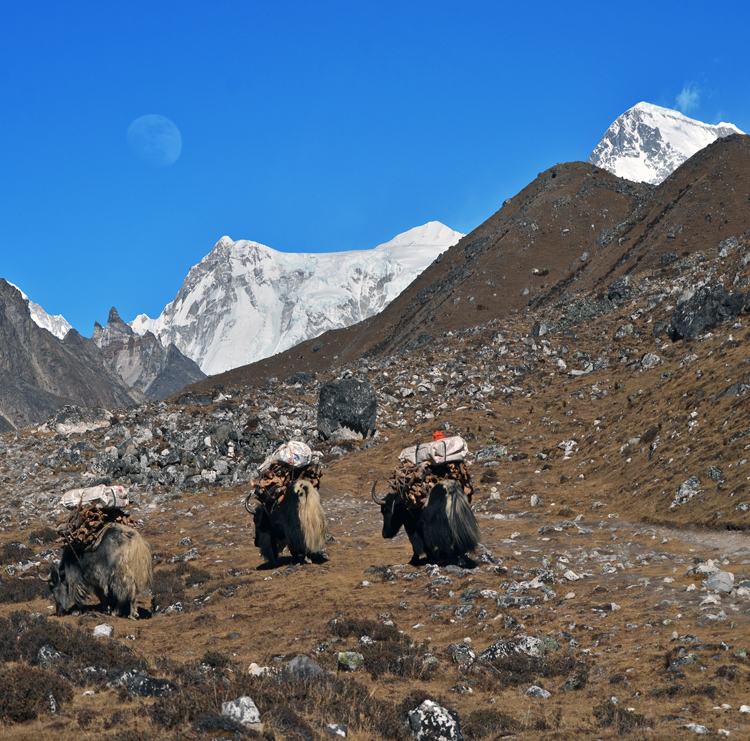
pixel 245 301
pixel 57 324
pixel 648 143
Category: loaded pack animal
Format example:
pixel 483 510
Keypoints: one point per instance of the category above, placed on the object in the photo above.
pixel 444 530
pixel 431 499
pixel 116 568
pixel 294 520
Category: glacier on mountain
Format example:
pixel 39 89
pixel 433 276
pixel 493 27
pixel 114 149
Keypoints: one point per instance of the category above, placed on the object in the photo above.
pixel 648 143
pixel 244 301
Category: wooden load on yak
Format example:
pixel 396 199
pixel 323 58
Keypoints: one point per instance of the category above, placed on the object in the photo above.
pixel 91 512
pixel 291 462
pixel 424 465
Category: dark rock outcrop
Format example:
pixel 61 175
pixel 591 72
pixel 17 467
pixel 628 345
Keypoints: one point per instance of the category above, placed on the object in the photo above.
pixel 710 306
pixel 347 402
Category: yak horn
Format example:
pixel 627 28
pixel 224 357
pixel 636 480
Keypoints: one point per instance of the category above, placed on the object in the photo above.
pixel 377 501
pixel 247 501
pixel 47 578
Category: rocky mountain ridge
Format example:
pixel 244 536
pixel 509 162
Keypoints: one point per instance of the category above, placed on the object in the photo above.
pixel 142 361
pixel 39 374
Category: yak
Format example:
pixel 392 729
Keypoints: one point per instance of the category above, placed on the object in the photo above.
pixel 117 569
pixel 445 530
pixel 296 521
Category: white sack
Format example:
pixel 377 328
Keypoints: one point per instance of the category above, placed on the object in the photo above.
pixel 438 451
pixel 105 497
pixel 293 453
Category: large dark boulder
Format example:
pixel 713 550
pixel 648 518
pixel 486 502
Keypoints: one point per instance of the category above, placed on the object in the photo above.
pixel 710 306
pixel 347 402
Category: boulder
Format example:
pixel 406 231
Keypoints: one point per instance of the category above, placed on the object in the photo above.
pixel 432 722
pixel 303 667
pixel 709 306
pixel 140 684
pixel 347 402
pixel 243 711
pixel 350 661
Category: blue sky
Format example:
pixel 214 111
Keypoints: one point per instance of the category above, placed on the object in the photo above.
pixel 311 126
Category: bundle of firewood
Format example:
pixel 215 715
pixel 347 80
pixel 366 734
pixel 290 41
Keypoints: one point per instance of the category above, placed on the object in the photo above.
pixel 270 488
pixel 80 529
pixel 414 482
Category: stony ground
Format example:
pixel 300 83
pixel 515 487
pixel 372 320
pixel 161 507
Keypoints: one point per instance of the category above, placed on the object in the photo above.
pixel 612 498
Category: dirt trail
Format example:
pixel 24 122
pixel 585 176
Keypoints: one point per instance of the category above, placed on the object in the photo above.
pixel 724 541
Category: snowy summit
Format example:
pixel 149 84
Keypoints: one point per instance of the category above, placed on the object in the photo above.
pixel 57 324
pixel 244 301
pixel 648 143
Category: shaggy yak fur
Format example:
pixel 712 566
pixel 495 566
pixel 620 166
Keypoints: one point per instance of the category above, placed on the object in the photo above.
pixel 297 521
pixel 445 530
pixel 117 569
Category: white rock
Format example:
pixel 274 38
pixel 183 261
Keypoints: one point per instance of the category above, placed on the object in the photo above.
pixel 244 711
pixel 536 691
pixel 104 631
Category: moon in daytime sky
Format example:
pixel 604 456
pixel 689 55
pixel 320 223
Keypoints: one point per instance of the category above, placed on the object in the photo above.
pixel 155 140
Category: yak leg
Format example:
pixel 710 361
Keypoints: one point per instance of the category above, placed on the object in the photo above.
pixel 417 545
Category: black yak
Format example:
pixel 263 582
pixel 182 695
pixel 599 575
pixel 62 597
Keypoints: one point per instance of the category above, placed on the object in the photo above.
pixel 445 530
pixel 117 569
pixel 296 521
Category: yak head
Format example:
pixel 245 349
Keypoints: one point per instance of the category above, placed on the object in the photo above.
pixel 66 584
pixel 393 510
pixel 62 589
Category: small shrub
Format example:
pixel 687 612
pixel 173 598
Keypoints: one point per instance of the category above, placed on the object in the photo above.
pixel 169 588
pixel 291 725
pixel 489 476
pixel 85 717
pixel 15 552
pixel 516 669
pixel 215 725
pixel 14 590
pixel 43 536
pixel 184 706
pixel 216 659
pixel 482 723
pixel 345 627
pixel 79 650
pixel 197 576
pixel 25 692
pixel 396 659
pixel 613 715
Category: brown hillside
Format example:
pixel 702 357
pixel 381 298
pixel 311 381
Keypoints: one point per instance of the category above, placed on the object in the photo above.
pixel 574 229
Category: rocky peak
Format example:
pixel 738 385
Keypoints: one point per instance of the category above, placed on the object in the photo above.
pixel 648 143
pixel 142 361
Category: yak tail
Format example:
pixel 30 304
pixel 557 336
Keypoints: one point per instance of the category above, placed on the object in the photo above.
pixel 311 517
pixel 134 574
pixel 463 523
